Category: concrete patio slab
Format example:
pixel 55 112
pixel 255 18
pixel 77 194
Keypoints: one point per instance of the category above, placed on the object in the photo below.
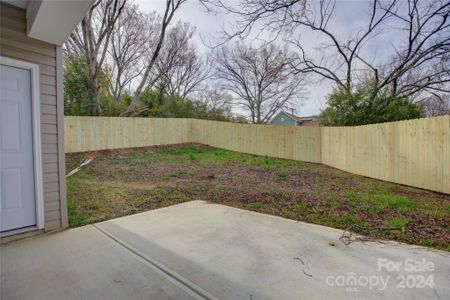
pixel 202 250
pixel 80 263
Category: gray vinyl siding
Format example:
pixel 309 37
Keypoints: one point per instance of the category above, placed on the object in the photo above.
pixel 15 44
pixel 283 119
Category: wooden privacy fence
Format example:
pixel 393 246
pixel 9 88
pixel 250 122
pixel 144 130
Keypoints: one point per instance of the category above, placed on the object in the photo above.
pixel 413 152
pixel 100 133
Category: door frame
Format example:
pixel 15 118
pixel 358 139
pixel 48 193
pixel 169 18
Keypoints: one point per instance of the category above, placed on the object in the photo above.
pixel 36 128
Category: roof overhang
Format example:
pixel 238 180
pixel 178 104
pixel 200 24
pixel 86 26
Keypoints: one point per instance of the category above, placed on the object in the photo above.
pixel 53 21
pixel 288 115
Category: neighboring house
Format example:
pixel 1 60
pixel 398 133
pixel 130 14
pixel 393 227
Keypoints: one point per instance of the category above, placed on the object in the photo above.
pixel 32 164
pixel 284 118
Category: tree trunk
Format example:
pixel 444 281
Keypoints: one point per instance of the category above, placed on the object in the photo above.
pixel 96 109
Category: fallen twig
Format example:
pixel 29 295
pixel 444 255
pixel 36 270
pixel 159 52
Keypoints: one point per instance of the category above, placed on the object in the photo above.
pixel 349 237
pixel 305 265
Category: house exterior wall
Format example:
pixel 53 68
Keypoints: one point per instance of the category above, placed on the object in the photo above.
pixel 15 44
pixel 311 123
pixel 283 119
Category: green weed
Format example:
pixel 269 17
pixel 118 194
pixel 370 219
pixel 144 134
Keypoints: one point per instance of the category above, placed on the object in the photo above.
pixel 399 222
pixel 348 219
pixel 282 176
pixel 256 205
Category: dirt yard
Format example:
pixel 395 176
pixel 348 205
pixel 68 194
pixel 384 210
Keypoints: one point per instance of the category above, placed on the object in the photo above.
pixel 123 182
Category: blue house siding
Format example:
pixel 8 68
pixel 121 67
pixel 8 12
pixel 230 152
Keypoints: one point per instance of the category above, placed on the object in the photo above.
pixel 283 119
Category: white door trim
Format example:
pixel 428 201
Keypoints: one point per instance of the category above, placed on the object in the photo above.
pixel 36 123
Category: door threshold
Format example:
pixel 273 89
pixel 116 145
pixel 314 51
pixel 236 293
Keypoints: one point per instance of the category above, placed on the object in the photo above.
pixel 18 234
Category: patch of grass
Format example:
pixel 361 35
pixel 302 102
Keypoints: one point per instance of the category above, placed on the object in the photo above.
pixel 210 154
pixel 429 242
pixel 399 222
pixel 179 175
pixel 183 150
pixel 256 205
pixel 301 207
pixel 93 202
pixel 282 176
pixel 377 201
pixel 120 159
pixel 348 219
pixel 394 201
pixel 300 211
pixel 77 219
pixel 74 217
pixel 334 203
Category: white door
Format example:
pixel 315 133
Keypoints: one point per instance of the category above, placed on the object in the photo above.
pixel 17 190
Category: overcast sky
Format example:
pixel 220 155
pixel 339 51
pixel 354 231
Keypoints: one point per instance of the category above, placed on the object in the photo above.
pixel 349 16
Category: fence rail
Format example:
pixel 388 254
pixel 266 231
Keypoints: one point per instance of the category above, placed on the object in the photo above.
pixel 413 152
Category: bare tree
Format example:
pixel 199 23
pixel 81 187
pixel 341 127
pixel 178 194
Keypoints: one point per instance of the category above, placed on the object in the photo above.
pixel 91 39
pixel 422 28
pixel 131 39
pixel 214 98
pixel 180 66
pixel 171 7
pixel 422 62
pixel 436 104
pixel 261 78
